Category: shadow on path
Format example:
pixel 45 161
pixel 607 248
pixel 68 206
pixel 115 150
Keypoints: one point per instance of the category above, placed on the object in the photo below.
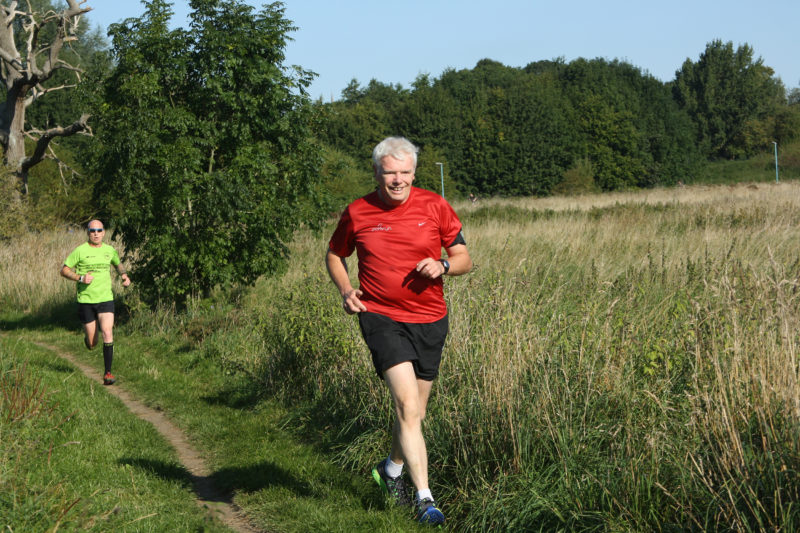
pixel 251 479
pixel 208 495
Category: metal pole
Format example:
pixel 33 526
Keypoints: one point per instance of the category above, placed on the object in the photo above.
pixel 776 161
pixel 441 174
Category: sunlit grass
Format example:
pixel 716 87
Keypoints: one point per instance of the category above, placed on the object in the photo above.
pixel 75 459
pixel 616 362
pixel 608 357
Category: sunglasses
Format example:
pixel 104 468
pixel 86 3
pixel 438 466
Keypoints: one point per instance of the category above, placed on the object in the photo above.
pixel 95 230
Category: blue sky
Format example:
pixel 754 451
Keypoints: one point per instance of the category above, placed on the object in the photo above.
pixel 394 42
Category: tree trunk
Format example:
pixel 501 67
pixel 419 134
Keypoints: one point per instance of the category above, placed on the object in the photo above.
pixel 15 149
pixel 22 74
pixel 12 136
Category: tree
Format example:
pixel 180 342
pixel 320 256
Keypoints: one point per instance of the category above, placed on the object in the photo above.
pixel 204 146
pixel 728 93
pixel 32 49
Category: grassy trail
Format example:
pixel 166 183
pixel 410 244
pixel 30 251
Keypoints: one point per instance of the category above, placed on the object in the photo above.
pixel 280 483
pixel 208 495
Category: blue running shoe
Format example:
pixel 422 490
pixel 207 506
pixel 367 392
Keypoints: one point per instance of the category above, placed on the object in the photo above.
pixel 428 513
pixel 393 487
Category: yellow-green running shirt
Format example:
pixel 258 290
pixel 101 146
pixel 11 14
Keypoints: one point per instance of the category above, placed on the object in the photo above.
pixel 97 260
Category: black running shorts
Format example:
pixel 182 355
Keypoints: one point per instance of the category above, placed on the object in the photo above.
pixel 88 312
pixel 392 343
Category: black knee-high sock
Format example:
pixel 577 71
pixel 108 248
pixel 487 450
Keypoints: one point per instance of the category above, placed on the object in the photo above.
pixel 108 355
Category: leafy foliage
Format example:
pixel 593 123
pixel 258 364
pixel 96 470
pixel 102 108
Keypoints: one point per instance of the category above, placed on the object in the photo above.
pixel 205 153
pixel 513 132
pixel 730 96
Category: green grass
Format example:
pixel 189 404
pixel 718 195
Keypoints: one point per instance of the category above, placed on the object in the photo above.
pixel 74 458
pixel 760 168
pixel 621 362
pixel 283 483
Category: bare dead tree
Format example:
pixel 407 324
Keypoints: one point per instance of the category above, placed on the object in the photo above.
pixel 24 71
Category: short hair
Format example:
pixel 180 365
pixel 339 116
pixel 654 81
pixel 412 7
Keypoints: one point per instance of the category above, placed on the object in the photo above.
pixel 397 147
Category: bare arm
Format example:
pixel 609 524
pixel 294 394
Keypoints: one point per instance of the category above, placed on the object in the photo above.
pixel 337 270
pixel 126 281
pixel 457 256
pixel 67 272
pixel 460 260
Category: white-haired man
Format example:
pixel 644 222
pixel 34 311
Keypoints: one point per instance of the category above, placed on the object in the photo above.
pixel 398 232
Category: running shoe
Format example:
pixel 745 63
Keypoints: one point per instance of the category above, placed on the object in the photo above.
pixel 393 487
pixel 109 379
pixel 428 513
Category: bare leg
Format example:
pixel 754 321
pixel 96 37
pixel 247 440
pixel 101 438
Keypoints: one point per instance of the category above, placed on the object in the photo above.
pixel 106 321
pixel 91 334
pixel 410 397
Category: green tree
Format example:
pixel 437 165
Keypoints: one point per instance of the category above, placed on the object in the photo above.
pixel 511 131
pixel 728 94
pixel 206 162
pixel 631 130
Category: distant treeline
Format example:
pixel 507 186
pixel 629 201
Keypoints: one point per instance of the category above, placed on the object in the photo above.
pixel 205 129
pixel 554 126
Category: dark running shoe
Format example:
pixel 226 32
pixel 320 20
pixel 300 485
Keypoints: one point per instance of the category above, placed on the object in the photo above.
pixel 393 487
pixel 428 513
pixel 109 379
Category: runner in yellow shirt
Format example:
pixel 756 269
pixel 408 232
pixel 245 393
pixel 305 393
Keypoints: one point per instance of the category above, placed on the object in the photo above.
pixel 88 264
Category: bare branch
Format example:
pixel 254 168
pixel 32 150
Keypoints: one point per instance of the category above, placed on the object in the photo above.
pixel 61 166
pixel 24 74
pixel 39 91
pixel 32 29
pixel 9 58
pixel 78 126
pixel 11 13
pixel 67 26
pixel 8 46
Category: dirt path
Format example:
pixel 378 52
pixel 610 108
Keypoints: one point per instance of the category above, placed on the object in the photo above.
pixel 209 497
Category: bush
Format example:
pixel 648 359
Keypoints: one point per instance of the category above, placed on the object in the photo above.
pixel 579 179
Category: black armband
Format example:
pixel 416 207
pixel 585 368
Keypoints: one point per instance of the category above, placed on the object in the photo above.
pixel 458 240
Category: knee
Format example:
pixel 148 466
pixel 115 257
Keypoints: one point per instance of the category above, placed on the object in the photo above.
pixel 409 412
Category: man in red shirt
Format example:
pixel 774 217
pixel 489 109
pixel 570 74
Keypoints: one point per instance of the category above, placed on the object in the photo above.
pixel 398 232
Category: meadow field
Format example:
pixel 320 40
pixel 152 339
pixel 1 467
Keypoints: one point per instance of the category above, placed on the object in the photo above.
pixel 616 362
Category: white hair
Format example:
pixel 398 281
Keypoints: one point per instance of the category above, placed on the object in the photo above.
pixel 397 147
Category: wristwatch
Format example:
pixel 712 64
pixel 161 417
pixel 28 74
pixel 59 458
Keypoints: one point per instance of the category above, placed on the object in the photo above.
pixel 446 264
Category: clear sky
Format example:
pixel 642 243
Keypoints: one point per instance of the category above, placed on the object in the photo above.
pixel 394 42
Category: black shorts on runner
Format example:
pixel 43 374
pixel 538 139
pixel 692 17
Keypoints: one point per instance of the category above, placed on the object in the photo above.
pixel 88 312
pixel 392 343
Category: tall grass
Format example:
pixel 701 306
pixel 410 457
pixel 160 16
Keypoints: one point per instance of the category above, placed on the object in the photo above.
pixel 617 362
pixel 29 266
pixel 622 362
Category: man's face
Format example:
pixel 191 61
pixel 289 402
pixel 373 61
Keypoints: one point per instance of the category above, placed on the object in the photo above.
pixel 394 179
pixel 96 237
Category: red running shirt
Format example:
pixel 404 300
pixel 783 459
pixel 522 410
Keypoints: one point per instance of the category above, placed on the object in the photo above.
pixel 390 241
